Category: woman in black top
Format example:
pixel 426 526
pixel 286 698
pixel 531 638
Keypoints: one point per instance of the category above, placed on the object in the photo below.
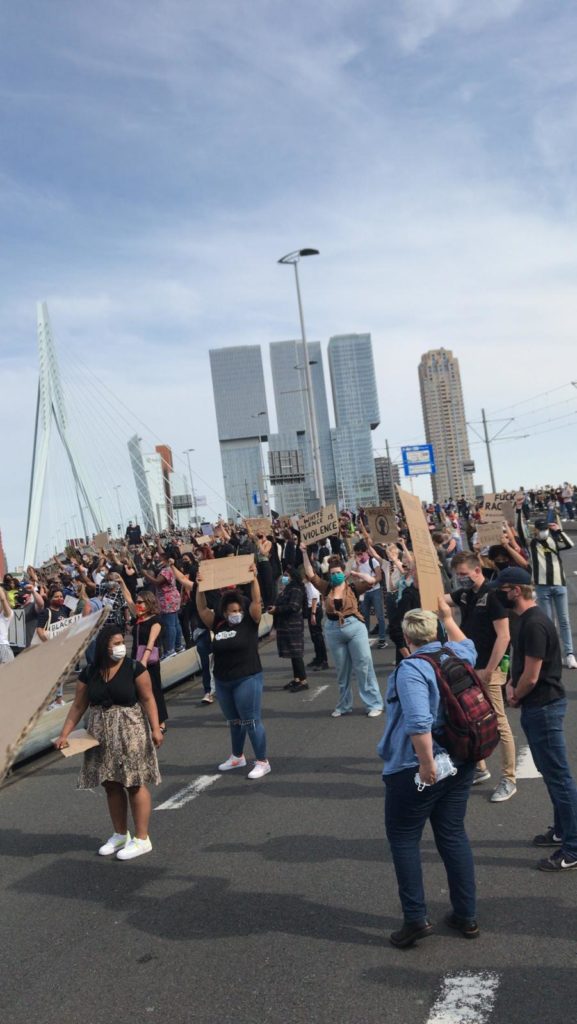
pixel 146 637
pixel 238 671
pixel 124 719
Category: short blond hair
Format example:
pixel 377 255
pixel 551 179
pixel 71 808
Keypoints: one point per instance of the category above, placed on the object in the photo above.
pixel 420 627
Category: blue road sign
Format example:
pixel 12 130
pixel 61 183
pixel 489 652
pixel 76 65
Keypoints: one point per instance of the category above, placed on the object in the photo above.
pixel 418 459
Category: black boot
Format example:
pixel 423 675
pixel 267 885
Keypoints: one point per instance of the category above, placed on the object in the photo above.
pixel 409 933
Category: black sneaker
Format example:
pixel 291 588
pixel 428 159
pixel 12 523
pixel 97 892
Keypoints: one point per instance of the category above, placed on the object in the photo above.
pixel 297 687
pixel 381 645
pixel 322 667
pixel 312 664
pixel 289 686
pixel 468 928
pixel 558 861
pixel 409 933
pixel 548 838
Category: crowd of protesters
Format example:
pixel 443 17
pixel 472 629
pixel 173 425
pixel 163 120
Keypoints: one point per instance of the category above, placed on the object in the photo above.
pixel 356 595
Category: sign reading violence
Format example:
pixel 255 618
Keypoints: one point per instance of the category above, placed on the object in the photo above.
pixel 382 524
pixel 317 525
pixel 429 579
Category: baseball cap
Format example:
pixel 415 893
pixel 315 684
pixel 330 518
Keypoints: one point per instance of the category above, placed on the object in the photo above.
pixel 514 576
pixel 541 524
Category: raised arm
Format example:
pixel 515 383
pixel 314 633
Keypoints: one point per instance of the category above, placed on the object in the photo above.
pixel 205 614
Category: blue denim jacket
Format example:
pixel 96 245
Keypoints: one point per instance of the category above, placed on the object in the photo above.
pixel 418 708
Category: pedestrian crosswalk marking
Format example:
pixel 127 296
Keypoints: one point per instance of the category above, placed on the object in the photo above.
pixel 526 768
pixel 465 999
pixel 190 792
pixel 315 693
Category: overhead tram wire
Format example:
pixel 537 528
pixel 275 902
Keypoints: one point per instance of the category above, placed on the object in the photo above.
pixel 551 391
pixel 160 440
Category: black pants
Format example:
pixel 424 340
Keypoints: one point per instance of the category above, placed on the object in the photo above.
pixel 265 582
pixel 299 670
pixel 318 637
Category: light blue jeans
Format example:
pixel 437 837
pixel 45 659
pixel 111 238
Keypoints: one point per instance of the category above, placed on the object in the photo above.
pixel 351 652
pixel 374 599
pixel 549 596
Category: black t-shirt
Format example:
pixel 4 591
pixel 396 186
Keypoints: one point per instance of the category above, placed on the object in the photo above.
pixel 479 610
pixel 535 636
pixel 134 535
pixel 235 649
pixel 141 633
pixel 120 690
pixel 48 616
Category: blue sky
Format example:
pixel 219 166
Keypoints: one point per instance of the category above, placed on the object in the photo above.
pixel 157 158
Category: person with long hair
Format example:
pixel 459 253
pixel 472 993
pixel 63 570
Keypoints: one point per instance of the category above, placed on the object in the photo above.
pixel 146 639
pixel 238 671
pixel 290 627
pixel 346 635
pixel 122 716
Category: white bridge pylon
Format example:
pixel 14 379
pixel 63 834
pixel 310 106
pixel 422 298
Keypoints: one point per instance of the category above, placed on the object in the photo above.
pixel 51 411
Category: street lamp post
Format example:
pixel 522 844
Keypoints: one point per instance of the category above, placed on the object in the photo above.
pixel 117 488
pixel 293 258
pixel 264 499
pixel 187 452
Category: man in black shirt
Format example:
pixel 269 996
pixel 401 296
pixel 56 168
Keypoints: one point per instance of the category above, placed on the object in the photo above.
pixel 486 622
pixel 537 689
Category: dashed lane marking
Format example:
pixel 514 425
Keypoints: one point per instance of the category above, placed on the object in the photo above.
pixel 315 693
pixel 465 999
pixel 526 768
pixel 190 792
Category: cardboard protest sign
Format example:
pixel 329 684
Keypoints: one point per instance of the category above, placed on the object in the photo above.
pixel 79 740
pixel 317 525
pixel 54 628
pixel 382 524
pixel 493 513
pixel 259 524
pixel 28 682
pixel 428 573
pixel 101 540
pixel 225 572
pixel 17 628
pixel 207 529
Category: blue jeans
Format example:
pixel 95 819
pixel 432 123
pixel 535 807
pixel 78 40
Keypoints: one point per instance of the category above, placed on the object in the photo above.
pixel 406 813
pixel 172 632
pixel 549 596
pixel 374 599
pixel 543 728
pixel 240 702
pixel 351 651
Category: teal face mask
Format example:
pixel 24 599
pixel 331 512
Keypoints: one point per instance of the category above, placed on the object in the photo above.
pixel 337 578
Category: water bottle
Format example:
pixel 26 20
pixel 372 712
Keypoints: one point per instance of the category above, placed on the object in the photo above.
pixel 444 766
pixel 505 662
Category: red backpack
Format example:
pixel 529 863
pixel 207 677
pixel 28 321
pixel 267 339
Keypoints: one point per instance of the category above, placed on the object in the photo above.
pixel 469 732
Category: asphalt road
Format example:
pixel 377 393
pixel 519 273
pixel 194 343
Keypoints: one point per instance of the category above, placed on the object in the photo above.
pixel 270 901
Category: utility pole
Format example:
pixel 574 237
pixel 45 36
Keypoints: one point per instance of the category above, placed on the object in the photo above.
pixel 488 445
pixel 391 476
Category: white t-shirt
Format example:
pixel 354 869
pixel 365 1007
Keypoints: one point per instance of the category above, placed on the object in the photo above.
pixel 367 569
pixel 312 593
pixel 4 624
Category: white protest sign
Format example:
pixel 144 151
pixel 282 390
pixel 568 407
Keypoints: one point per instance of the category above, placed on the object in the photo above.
pixel 315 526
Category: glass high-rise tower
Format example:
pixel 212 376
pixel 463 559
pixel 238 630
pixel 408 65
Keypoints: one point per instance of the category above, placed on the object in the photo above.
pixel 356 403
pixel 445 424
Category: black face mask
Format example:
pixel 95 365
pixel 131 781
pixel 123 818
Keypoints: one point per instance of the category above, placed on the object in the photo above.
pixel 506 600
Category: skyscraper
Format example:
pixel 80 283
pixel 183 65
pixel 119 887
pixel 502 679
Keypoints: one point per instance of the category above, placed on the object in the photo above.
pixel 294 491
pixel 387 475
pixel 356 403
pixel 242 419
pixel 445 424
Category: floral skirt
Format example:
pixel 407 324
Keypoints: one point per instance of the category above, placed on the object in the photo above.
pixel 126 753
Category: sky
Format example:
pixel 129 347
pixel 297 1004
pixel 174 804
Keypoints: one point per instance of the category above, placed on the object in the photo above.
pixel 156 160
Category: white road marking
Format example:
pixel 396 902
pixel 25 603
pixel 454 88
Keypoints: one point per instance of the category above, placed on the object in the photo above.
pixel 315 693
pixel 465 999
pixel 190 792
pixel 526 768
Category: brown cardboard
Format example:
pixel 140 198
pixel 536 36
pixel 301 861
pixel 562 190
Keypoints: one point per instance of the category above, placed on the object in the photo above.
pixel 28 682
pixel 78 741
pixel 225 572
pixel 382 524
pixel 428 573
pixel 259 524
pixel 315 526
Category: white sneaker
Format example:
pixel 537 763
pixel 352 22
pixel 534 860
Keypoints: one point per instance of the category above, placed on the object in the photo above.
pixel 338 714
pixel 232 762
pixel 374 712
pixel 504 791
pixel 570 661
pixel 114 844
pixel 260 768
pixel 134 848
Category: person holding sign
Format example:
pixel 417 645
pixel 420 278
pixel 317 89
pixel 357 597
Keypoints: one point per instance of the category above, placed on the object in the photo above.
pixel 238 671
pixel 346 636
pixel 124 719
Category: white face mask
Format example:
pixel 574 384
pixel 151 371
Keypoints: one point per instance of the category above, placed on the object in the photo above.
pixel 235 618
pixel 118 652
pixel 543 534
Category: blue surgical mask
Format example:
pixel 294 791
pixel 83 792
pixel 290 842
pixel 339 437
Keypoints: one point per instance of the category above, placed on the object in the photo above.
pixel 284 580
pixel 337 578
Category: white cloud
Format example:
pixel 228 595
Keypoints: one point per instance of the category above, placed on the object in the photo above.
pixel 419 20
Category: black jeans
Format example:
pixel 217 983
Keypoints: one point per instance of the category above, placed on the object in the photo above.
pixel 317 636
pixel 299 670
pixel 406 813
